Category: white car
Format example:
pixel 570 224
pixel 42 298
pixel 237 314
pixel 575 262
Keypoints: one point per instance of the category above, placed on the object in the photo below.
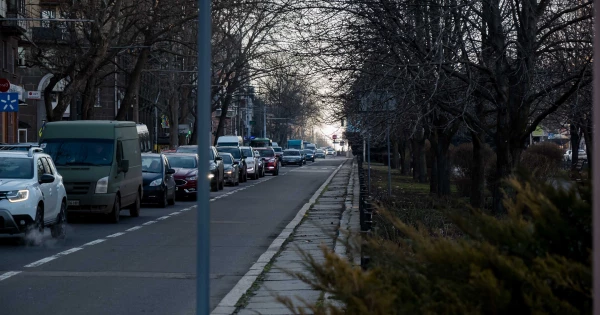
pixel 32 194
pixel 251 161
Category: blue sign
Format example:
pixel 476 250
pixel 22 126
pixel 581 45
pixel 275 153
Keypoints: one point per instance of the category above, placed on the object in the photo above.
pixel 9 102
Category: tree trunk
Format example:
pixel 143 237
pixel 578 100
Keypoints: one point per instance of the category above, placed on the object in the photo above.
pixel 48 96
pixel 575 139
pixel 132 90
pixel 477 173
pixel 88 98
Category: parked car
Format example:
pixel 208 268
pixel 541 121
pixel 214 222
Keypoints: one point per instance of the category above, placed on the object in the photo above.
pixel 32 195
pixel 278 152
pixel 159 182
pixel 581 155
pixel 251 162
pixel 101 163
pixel 240 158
pixel 187 149
pixel 272 164
pixel 261 164
pixel 186 173
pixel 216 170
pixel 232 169
pixel 330 152
pixel 309 155
pixel 320 154
pixel 292 156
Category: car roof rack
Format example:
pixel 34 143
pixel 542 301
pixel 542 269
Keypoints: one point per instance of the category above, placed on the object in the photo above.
pixel 12 146
pixel 34 150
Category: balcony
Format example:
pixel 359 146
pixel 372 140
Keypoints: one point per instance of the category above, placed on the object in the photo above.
pixel 15 28
pixel 49 35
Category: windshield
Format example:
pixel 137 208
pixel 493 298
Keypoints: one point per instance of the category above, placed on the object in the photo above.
pixel 92 152
pixel 308 151
pixel 291 153
pixel 234 151
pixel 227 159
pixel 247 152
pixel 151 164
pixel 193 149
pixel 319 151
pixel 278 149
pixel 16 168
pixel 182 161
pixel 266 153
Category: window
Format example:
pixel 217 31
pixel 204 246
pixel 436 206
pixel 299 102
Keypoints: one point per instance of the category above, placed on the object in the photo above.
pixel 51 165
pixel 47 168
pixel 16 168
pixel 90 152
pixel 22 135
pixel 40 169
pixel 119 151
pixel 47 14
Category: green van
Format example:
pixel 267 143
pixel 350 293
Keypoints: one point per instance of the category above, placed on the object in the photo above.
pixel 100 162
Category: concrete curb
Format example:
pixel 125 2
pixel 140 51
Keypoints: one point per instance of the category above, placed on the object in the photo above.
pixel 227 304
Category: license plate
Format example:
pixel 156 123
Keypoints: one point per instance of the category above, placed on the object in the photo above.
pixel 73 203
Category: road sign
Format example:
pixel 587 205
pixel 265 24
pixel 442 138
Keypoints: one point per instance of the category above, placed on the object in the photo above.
pixel 9 102
pixel 4 85
pixel 34 95
pixel 334 137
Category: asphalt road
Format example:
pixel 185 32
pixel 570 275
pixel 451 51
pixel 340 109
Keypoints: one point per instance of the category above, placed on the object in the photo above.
pixel 147 265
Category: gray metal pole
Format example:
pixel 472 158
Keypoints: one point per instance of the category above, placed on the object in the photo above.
pixel 596 171
pixel 202 123
pixel 265 121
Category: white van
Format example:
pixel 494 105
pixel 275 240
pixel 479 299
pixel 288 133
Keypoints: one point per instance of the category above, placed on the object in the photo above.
pixel 230 141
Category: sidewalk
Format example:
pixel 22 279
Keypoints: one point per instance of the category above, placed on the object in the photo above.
pixel 334 208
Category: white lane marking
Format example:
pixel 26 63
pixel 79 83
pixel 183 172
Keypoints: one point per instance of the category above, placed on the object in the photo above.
pixel 53 257
pixel 116 234
pixel 174 213
pixel 41 261
pixel 134 228
pixel 9 274
pixel 149 222
pixel 162 218
pixel 98 241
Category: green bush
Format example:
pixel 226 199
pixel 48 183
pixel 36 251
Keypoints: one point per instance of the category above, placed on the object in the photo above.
pixel 535 260
pixel 543 160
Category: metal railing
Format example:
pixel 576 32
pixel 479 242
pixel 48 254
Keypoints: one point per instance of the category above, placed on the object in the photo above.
pixel 366 203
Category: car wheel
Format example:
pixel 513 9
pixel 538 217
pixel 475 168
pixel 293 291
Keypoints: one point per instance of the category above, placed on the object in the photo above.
pixel 136 207
pixel 38 223
pixel 115 215
pixel 164 200
pixel 222 183
pixel 214 187
pixel 59 229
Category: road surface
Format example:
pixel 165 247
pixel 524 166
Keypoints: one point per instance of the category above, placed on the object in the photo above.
pixel 147 265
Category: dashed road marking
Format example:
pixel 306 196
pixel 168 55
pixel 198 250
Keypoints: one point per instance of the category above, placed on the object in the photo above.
pixel 162 218
pixel 116 235
pixel 9 274
pixel 149 222
pixel 98 241
pixel 53 257
pixel 134 228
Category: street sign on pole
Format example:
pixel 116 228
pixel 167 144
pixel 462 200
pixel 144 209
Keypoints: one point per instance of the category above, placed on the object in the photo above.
pixel 4 85
pixel 34 95
pixel 334 137
pixel 9 102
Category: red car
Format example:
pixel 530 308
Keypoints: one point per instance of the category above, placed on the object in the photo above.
pixel 186 173
pixel 272 163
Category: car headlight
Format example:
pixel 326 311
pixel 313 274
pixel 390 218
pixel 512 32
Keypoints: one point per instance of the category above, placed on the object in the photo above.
pixel 229 172
pixel 18 195
pixel 156 182
pixel 195 177
pixel 102 185
pixel 210 176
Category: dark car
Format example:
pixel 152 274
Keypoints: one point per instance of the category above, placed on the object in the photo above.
pixel 232 169
pixel 187 149
pixel 292 156
pixel 186 173
pixel 309 155
pixel 239 157
pixel 320 154
pixel 158 179
pixel 270 160
pixel 216 170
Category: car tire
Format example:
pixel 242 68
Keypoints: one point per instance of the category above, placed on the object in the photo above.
pixel 115 214
pixel 222 183
pixel 214 187
pixel 164 200
pixel 59 229
pixel 38 221
pixel 136 207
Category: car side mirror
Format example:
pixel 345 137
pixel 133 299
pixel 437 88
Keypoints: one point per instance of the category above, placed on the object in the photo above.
pixel 170 171
pixel 124 166
pixel 218 158
pixel 47 179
